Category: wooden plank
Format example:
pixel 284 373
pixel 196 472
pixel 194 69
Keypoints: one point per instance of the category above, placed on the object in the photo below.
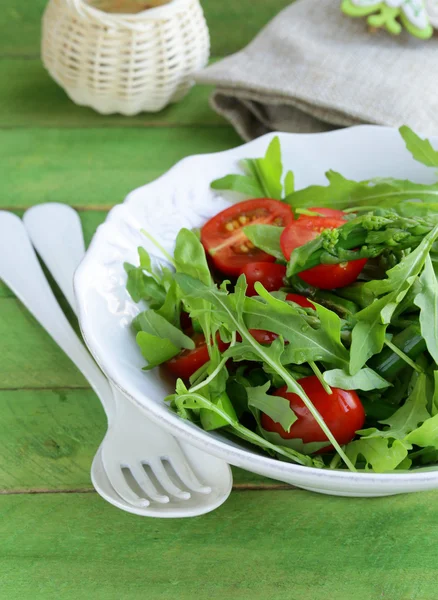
pixel 29 356
pixel 30 98
pixel 259 545
pixel 49 438
pixel 95 167
pixel 232 24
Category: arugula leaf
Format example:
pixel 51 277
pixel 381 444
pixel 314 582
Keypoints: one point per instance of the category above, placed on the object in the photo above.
pixel 421 150
pixel 185 400
pixel 243 184
pixel 153 323
pixel 435 394
pixel 366 379
pixel 242 351
pixel 379 455
pixel 289 183
pixel 295 443
pixel 331 323
pixel 143 287
pixel 190 259
pixel 343 193
pixel 155 350
pixel 229 309
pixel 305 343
pixel 335 195
pixel 356 293
pixel 276 407
pixel 426 435
pixel 262 177
pixel 266 237
pixel 427 301
pixel 269 170
pixel 406 418
pixel 190 256
pixel 368 334
pixel 150 284
pixel 145 259
pixel 170 309
pixel 211 420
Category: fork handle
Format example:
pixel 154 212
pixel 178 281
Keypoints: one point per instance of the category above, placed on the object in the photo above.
pixel 21 271
pixel 61 247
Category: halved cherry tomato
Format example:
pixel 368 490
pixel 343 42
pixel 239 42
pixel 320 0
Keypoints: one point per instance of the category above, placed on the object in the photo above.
pixel 270 275
pixel 342 412
pixel 301 300
pixel 224 240
pixel 325 212
pixel 188 362
pixel 324 277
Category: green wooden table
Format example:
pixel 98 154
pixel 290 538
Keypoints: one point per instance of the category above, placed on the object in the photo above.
pixel 58 539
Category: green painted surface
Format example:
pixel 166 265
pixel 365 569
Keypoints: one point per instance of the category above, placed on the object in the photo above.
pixel 232 24
pixel 95 167
pixel 48 438
pixel 284 545
pixel 29 357
pixel 29 97
pixel 265 544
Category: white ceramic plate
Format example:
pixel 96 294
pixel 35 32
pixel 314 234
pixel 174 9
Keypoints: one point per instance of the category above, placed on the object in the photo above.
pixel 182 198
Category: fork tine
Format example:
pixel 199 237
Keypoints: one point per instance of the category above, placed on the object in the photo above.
pixel 187 476
pixel 160 473
pixel 146 484
pixel 119 483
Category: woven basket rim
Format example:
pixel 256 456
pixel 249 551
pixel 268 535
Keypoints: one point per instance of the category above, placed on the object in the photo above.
pixel 149 14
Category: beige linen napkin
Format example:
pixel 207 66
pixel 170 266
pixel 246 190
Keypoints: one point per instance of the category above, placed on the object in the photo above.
pixel 313 69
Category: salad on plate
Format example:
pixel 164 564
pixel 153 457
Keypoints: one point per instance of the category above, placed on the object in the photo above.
pixel 304 322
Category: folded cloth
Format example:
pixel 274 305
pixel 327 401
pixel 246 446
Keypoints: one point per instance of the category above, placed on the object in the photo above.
pixel 313 69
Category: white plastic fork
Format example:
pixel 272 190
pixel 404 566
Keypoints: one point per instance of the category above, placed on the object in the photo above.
pixel 138 467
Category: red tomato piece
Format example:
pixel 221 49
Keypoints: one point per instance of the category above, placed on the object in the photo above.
pixel 328 277
pixel 270 275
pixel 187 362
pixel 262 336
pixel 301 300
pixel 325 277
pixel 342 412
pixel 225 242
pixel 325 212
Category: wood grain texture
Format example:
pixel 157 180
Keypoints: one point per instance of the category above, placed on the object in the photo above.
pixel 232 24
pixel 30 98
pixel 48 438
pixel 95 167
pixel 29 356
pixel 258 546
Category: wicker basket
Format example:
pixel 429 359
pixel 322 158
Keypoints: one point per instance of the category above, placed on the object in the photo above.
pixel 124 63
